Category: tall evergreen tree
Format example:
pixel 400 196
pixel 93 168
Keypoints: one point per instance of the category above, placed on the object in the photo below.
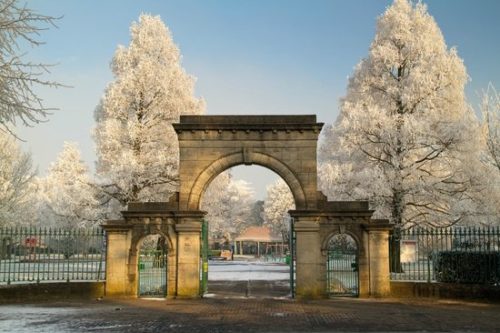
pixel 405 128
pixel 69 197
pixel 16 182
pixel 136 145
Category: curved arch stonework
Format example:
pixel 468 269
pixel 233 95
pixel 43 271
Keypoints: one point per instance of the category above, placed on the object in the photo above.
pixel 226 162
pixel 285 144
pixel 355 235
pixel 208 145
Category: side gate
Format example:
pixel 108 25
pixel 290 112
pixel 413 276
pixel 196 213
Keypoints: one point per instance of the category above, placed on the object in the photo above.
pixel 152 268
pixel 342 266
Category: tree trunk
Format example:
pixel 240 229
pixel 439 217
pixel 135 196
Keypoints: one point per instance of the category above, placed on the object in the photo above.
pixel 397 191
pixel 395 245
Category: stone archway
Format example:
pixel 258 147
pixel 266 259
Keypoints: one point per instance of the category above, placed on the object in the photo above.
pixel 285 144
pixel 208 145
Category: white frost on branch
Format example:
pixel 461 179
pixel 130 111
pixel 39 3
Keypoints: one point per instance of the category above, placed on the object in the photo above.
pixel 17 185
pixel 279 200
pixel 136 144
pixel 67 192
pixel 229 204
pixel 490 108
pixel 20 26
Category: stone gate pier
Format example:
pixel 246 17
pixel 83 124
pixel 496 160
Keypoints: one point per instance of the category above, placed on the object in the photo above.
pixel 208 145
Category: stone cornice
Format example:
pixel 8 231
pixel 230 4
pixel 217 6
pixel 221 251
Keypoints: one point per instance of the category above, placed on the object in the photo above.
pixel 378 225
pixel 330 213
pixel 116 226
pixel 188 227
pixel 168 213
pixel 249 123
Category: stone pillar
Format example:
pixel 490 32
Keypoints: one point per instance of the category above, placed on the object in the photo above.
pixel 309 282
pixel 188 257
pixel 378 247
pixel 172 269
pixel 364 265
pixel 118 243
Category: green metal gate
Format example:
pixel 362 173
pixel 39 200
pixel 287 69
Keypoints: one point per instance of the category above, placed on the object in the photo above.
pixel 152 273
pixel 342 266
pixel 204 258
pixel 292 258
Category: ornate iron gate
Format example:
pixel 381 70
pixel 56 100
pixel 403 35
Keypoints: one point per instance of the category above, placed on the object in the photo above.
pixel 204 258
pixel 292 258
pixel 153 273
pixel 342 266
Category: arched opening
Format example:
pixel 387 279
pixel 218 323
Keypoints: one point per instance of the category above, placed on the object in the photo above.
pixel 152 266
pixel 248 233
pixel 342 278
pixel 233 160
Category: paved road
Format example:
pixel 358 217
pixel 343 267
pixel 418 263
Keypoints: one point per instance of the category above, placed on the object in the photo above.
pixel 250 315
pixel 247 270
pixel 248 279
pixel 249 289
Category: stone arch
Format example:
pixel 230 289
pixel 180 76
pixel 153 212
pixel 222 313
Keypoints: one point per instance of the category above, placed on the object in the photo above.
pixel 231 160
pixel 139 238
pixel 353 235
pixel 139 233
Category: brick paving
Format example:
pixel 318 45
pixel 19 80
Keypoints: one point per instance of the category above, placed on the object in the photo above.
pixel 251 315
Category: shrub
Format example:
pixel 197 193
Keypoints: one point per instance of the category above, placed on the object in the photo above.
pixel 467 267
pixel 214 253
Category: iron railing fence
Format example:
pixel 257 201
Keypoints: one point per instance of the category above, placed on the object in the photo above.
pixel 454 254
pixel 48 254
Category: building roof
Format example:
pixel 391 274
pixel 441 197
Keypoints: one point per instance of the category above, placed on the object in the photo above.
pixel 258 234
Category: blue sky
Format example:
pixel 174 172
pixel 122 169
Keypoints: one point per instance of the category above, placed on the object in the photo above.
pixel 253 57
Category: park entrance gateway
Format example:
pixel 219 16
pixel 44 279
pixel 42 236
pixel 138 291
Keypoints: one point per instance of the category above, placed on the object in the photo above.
pixel 287 145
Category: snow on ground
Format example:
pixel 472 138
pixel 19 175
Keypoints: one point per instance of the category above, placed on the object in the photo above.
pixel 245 270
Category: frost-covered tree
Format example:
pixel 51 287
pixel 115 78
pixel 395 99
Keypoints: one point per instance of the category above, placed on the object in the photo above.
pixel 70 199
pixel 490 107
pixel 279 201
pixel 137 146
pixel 405 128
pixel 16 182
pixel 21 26
pixel 228 203
pixel 216 203
pixel 489 197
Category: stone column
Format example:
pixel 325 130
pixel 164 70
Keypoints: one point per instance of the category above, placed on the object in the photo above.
pixel 118 242
pixel 378 247
pixel 309 282
pixel 364 265
pixel 188 257
pixel 172 267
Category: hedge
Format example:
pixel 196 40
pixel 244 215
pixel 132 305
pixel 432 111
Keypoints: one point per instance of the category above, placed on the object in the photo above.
pixel 467 267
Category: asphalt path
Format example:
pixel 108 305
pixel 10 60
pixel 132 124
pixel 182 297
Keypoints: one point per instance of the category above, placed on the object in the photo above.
pixel 248 279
